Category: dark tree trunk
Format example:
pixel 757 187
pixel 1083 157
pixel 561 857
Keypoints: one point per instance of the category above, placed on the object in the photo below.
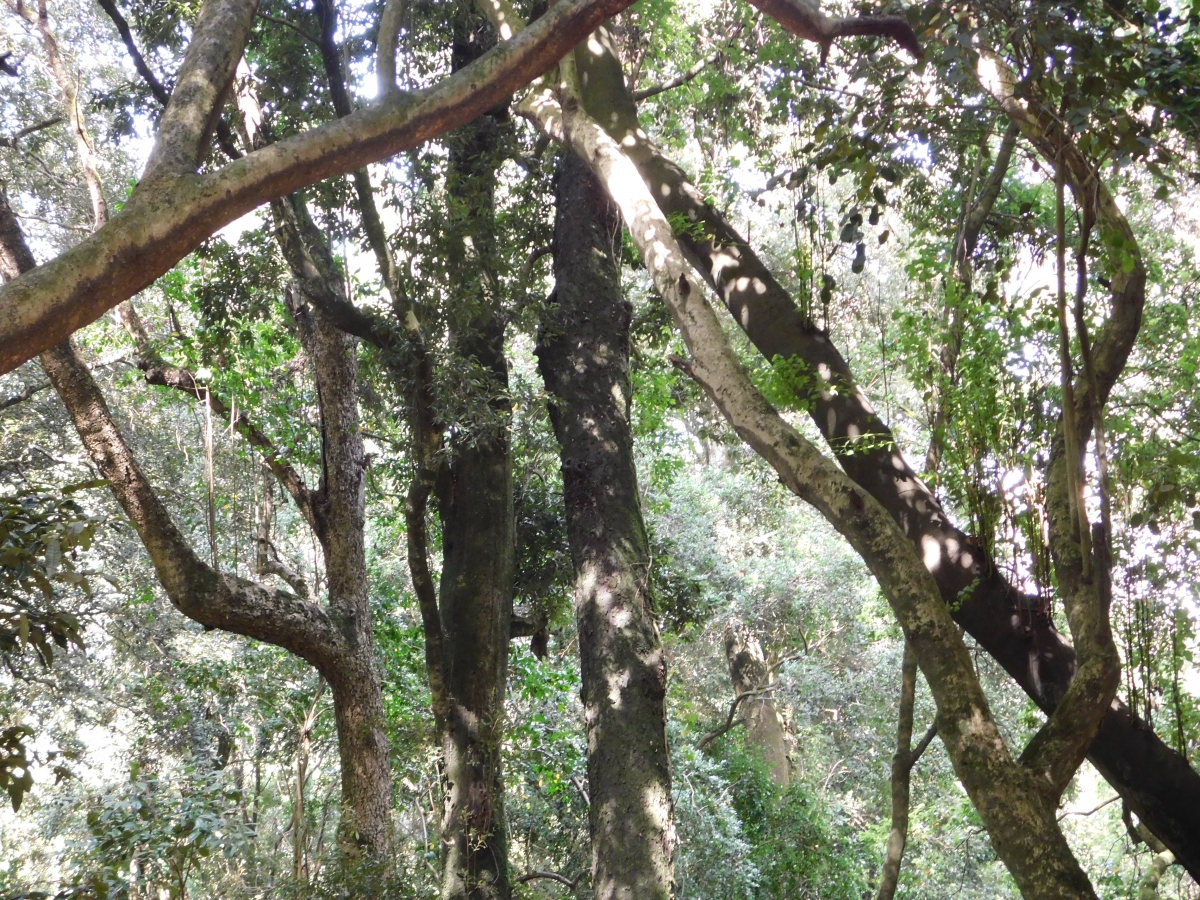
pixel 475 502
pixel 583 355
pixel 750 677
pixel 1156 781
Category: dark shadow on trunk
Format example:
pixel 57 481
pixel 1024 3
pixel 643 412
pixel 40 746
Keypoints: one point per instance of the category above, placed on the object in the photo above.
pixel 583 354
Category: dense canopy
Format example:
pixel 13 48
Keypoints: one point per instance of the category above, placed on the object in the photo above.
pixel 641 449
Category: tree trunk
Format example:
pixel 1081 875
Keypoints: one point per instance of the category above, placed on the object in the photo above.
pixel 475 502
pixel 340 506
pixel 902 765
pixel 1155 780
pixel 583 354
pixel 336 640
pixel 749 674
pixel 1016 813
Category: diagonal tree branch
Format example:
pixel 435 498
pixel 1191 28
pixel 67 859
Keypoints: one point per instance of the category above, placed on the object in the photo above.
pixel 214 599
pixel 160 92
pixel 155 229
pixel 200 89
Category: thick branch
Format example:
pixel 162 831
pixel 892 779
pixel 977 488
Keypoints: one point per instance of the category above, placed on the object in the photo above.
pixel 203 594
pixel 805 19
pixel 157 228
pixel 212 598
pixel 200 89
pixel 387 43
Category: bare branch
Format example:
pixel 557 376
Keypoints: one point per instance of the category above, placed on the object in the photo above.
pixel 729 723
pixel 31 129
pixel 161 94
pixel 200 88
pixel 570 883
pixel 805 19
pixel 680 79
pixel 185 381
pixel 24 395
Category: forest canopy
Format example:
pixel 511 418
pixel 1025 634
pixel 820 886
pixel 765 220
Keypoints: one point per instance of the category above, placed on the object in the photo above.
pixel 641 449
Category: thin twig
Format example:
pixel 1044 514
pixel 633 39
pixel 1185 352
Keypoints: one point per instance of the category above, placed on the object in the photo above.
pixel 1089 812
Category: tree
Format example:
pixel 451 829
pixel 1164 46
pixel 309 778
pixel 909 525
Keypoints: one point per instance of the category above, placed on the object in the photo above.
pixel 929 569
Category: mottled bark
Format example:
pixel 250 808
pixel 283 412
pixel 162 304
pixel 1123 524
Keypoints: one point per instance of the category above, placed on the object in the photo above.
pixel 583 354
pixel 340 503
pixel 475 502
pixel 156 228
pixel 1014 810
pixel 336 639
pixel 764 728
pixel 1156 780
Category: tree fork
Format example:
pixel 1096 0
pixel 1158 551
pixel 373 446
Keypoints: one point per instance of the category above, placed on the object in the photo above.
pixel 1157 781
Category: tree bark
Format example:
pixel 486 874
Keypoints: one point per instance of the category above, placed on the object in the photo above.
pixel 156 228
pixel 340 506
pixel 749 673
pixel 1018 819
pixel 583 354
pixel 475 501
pixel 336 640
pixel 1156 780
pixel 902 765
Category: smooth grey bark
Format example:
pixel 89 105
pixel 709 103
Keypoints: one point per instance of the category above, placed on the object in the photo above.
pixel 749 673
pixel 583 355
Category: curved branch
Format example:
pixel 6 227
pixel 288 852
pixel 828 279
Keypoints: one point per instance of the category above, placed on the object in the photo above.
pixel 570 883
pixel 729 723
pixel 155 229
pixel 387 43
pixel 805 19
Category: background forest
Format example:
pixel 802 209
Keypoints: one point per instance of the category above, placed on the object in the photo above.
pixel 297 585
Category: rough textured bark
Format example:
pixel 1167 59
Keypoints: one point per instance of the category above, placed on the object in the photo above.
pixel 340 503
pixel 583 354
pixel 749 673
pixel 1157 781
pixel 475 503
pixel 156 228
pixel 1014 810
pixel 336 639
